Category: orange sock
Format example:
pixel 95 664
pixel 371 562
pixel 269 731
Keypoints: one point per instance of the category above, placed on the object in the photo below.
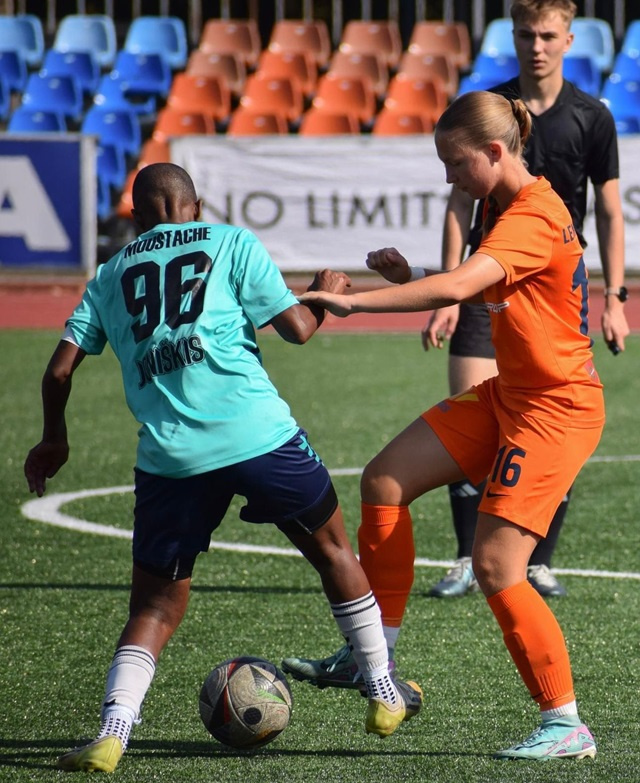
pixel 536 643
pixel 387 552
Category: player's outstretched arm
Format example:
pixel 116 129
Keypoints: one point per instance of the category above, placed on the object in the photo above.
pixel 299 323
pixel 47 457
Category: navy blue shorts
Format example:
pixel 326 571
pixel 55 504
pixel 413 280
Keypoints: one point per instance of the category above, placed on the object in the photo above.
pixel 174 518
pixel 472 336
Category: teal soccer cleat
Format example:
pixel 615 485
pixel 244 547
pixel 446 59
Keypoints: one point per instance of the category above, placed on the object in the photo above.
pixel 561 738
pixel 339 670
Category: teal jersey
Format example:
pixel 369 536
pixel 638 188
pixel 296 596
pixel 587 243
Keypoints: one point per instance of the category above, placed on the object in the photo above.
pixel 179 307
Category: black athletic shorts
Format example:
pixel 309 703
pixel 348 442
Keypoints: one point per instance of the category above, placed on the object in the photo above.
pixel 472 336
pixel 174 518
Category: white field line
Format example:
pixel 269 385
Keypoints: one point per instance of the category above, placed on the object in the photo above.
pixel 47 510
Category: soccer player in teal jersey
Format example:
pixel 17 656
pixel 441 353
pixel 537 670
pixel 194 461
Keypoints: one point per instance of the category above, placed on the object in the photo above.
pixel 179 306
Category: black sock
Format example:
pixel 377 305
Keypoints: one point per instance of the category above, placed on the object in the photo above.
pixel 465 498
pixel 543 552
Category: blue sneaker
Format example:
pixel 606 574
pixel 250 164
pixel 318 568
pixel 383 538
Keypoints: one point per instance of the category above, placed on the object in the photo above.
pixel 339 670
pixel 459 580
pixel 561 738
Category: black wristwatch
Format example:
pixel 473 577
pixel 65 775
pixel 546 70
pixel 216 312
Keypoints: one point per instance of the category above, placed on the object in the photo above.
pixel 621 293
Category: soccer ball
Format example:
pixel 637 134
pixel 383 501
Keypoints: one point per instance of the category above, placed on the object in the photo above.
pixel 245 702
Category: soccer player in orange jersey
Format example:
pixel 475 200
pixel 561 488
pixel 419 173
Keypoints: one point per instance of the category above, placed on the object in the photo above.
pixel 529 430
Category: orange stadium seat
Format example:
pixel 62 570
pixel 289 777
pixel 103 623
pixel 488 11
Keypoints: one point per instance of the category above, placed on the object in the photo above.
pixel 367 64
pixel 320 122
pixel 250 122
pixel 174 122
pixel 352 95
pixel 154 151
pixel 207 94
pixel 299 35
pixel 379 37
pixel 239 36
pixel 416 96
pixel 400 123
pixel 279 96
pixel 299 66
pixel 225 65
pixel 431 66
pixel 451 39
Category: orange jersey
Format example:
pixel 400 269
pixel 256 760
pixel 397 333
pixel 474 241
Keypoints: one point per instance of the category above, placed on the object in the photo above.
pixel 539 310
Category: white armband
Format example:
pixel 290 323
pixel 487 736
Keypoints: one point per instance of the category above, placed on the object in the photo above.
pixel 417 273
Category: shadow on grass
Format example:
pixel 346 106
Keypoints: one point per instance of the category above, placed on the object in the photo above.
pixel 195 588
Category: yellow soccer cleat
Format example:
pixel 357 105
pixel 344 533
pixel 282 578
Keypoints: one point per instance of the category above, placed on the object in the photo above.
pixel 383 718
pixel 101 755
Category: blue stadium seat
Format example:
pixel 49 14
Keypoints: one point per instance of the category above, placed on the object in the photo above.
pixel 25 120
pixel 113 93
pixel 630 126
pixel 593 38
pixel 111 164
pixel 146 74
pixel 500 68
pixel 103 199
pixel 119 127
pixel 584 73
pixel 631 41
pixel 626 67
pixel 13 68
pixel 498 38
pixel 81 65
pixel 622 98
pixel 54 93
pixel 163 35
pixel 475 81
pixel 23 33
pixel 5 99
pixel 95 33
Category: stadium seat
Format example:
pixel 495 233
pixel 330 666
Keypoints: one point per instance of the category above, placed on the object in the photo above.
pixel 622 98
pixel 24 120
pixel 13 69
pixel 23 33
pixel 299 35
pixel 631 41
pixel 145 74
pixel 113 93
pixel 625 67
pixel 496 69
pixel 349 95
pixel 249 122
pixel 207 94
pixel 593 38
pixel 583 72
pixel 163 35
pixel 381 38
pixel 278 96
pixel 5 99
pixel 104 206
pixel 226 65
pixel 154 151
pixel 369 65
pixel 119 127
pixel 416 96
pixel 232 36
pixel 400 123
pixel 498 38
pixel 431 66
pixel 60 94
pixel 319 122
pixel 95 33
pixel 299 66
pixel 111 164
pixel 176 122
pixel 474 81
pixel 81 65
pixel 448 38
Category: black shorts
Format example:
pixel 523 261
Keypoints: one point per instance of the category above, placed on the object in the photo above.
pixel 174 518
pixel 472 336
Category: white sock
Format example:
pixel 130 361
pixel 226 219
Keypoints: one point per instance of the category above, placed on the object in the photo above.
pixel 566 710
pixel 360 624
pixel 117 722
pixel 128 681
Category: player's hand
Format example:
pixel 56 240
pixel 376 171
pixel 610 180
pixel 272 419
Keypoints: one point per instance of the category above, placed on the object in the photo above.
pixel 336 304
pixel 328 280
pixel 614 326
pixel 43 462
pixel 440 327
pixel 390 264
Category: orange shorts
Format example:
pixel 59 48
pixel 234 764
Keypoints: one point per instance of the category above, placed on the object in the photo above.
pixel 529 462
